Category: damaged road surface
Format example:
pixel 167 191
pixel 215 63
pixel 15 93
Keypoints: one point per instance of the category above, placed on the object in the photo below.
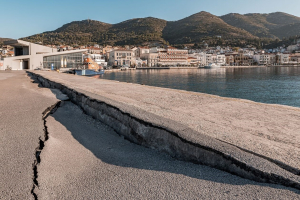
pixel 21 125
pixel 85 159
pixel 42 141
pixel 52 150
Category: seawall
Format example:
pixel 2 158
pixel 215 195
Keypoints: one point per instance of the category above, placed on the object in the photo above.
pixel 198 128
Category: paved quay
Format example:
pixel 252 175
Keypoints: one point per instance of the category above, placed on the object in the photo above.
pixel 258 138
pixel 86 159
pixel 21 125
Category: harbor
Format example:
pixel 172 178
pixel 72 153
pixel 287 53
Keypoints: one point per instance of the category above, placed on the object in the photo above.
pixel 150 100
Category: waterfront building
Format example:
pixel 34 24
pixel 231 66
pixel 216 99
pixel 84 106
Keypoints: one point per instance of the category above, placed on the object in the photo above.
pixel 220 59
pixel 172 56
pixel 152 59
pixel 32 56
pixel 193 61
pixel 242 59
pixel 229 57
pixel 210 58
pixel 142 52
pixel 265 58
pixel 140 62
pixel 120 57
pixel 282 58
pixel 294 58
pixel 198 59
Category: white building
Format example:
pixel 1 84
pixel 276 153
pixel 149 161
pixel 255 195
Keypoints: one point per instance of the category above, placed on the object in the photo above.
pixel 119 57
pixel 31 56
pixel 99 59
pixel 200 58
pixel 265 59
pixel 140 63
pixel 283 58
pixel 220 59
pixel 152 59
pixel 210 58
pixel 142 52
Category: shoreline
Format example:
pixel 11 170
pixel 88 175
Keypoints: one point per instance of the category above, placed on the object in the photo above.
pixel 224 67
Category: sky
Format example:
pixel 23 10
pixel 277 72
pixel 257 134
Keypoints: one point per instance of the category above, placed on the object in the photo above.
pixel 21 18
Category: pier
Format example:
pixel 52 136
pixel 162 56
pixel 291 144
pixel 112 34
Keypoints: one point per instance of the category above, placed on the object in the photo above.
pixel 251 144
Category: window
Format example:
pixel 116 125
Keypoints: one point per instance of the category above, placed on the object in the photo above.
pixel 72 60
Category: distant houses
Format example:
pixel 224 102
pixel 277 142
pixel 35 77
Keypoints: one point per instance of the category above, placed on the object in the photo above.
pixel 144 56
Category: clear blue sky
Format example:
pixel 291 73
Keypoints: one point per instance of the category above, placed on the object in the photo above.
pixel 21 18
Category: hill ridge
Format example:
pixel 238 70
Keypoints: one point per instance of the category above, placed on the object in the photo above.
pixel 189 30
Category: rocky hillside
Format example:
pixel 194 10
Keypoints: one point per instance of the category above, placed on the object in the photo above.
pixel 193 29
pixel 271 25
pixel 3 39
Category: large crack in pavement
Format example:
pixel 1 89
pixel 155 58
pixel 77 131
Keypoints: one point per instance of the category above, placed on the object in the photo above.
pixel 38 150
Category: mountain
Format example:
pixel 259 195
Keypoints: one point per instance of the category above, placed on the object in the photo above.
pixel 255 24
pixel 203 24
pixel 264 25
pixel 281 19
pixel 76 32
pixel 287 30
pixel 137 31
pixel 4 39
pixel 82 32
pixel 228 29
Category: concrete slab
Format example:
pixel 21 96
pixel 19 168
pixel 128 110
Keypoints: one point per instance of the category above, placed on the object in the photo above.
pixel 256 135
pixel 85 159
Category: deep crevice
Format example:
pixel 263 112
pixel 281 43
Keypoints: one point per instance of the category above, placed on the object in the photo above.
pixel 38 150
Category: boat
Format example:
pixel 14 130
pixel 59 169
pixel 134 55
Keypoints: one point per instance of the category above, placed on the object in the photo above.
pixel 124 67
pixel 89 68
pixel 88 72
pixel 212 65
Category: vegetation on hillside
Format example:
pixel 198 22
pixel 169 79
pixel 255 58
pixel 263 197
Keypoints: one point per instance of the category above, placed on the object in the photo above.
pixel 2 41
pixel 232 29
pixel 194 28
pixel 274 25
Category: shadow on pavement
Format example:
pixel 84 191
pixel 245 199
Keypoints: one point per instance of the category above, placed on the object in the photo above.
pixel 113 149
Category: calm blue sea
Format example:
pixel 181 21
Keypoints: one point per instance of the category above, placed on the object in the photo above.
pixel 276 85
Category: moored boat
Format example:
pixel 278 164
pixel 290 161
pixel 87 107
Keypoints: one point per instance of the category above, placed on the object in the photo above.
pixel 88 72
pixel 212 65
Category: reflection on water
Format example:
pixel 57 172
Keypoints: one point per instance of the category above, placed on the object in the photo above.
pixel 278 85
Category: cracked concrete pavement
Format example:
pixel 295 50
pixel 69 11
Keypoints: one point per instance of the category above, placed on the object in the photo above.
pixel 85 159
pixel 21 125
pixel 268 152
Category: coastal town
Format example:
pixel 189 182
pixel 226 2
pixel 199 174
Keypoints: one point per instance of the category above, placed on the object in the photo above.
pixel 158 55
pixel 151 99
